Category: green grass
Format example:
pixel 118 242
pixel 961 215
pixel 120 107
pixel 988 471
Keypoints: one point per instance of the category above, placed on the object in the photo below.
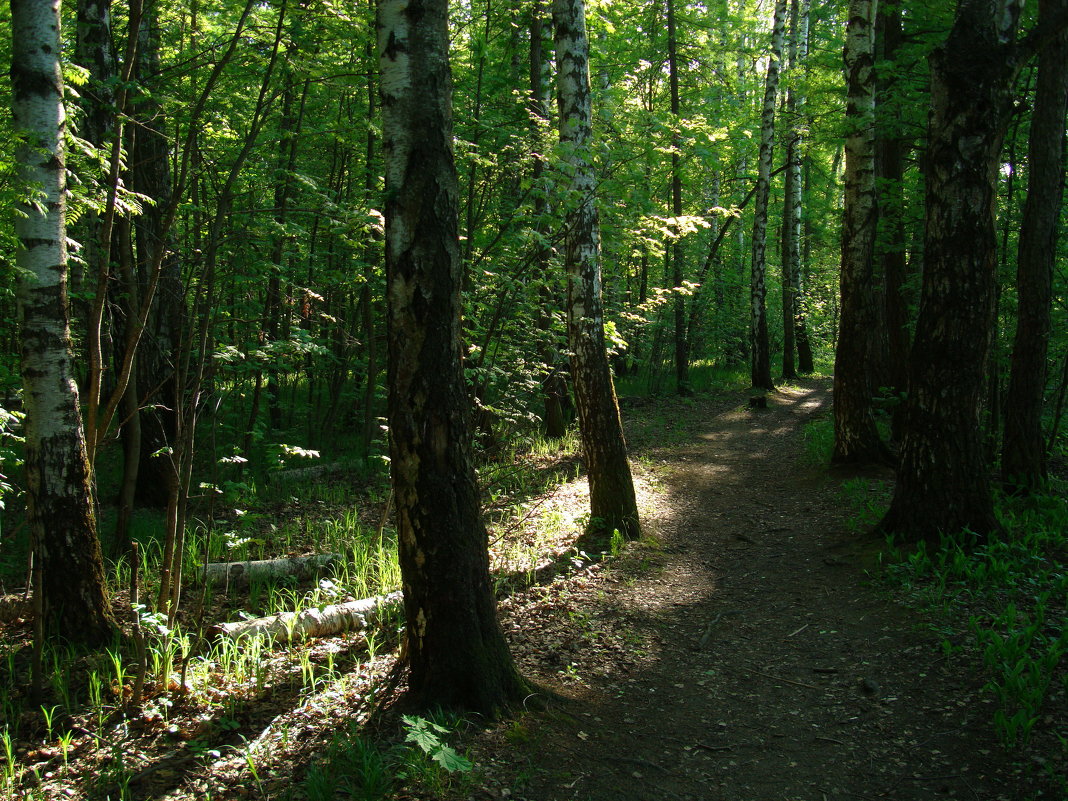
pixel 704 377
pixel 1004 603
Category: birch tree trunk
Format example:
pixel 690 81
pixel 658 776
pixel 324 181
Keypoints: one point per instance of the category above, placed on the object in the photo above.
pixel 760 348
pixel 1023 458
pixel 457 653
pixel 682 344
pixel 792 316
pixel 612 502
pixel 856 438
pixel 60 505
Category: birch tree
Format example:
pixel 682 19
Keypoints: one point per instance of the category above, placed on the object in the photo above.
pixel 456 651
pixel 856 438
pixel 760 348
pixel 612 501
pixel 69 574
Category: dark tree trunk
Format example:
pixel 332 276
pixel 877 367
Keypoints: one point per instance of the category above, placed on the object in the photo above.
pixel 456 651
pixel 612 501
pixel 856 438
pixel 554 385
pixel 158 350
pixel 943 479
pixel 1023 458
pixel 71 585
pixel 890 152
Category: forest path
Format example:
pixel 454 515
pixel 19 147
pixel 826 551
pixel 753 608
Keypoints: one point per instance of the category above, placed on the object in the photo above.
pixel 745 654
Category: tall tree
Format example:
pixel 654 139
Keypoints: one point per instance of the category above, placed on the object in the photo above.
pixel 891 150
pixel 456 651
pixel 792 193
pixel 682 347
pixel 612 501
pixel 943 483
pixel 71 584
pixel 1023 459
pixel 760 348
pixel 856 438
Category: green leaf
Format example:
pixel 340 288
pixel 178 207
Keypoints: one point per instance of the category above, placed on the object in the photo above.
pixel 452 761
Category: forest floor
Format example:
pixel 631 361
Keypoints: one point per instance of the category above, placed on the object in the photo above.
pixel 747 648
pixel 744 651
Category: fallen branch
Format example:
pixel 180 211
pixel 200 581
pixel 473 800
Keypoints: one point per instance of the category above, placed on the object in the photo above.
pixel 229 574
pixel 330 620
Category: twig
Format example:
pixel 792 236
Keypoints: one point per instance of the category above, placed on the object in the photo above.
pixel 780 678
pixel 830 740
pixel 798 631
pixel 714 747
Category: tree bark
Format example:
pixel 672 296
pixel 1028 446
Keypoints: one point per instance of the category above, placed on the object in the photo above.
pixel 943 484
pixel 457 653
pixel 308 623
pixel 760 348
pixel 792 193
pixel 682 344
pixel 856 438
pixel 891 149
pixel 554 385
pixel 1023 458
pixel 72 588
pixel 612 501
pixel 241 574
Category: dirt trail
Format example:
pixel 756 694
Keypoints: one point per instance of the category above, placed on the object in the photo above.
pixel 746 656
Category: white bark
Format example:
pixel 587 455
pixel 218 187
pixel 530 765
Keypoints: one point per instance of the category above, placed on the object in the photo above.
pixel 309 623
pixel 231 574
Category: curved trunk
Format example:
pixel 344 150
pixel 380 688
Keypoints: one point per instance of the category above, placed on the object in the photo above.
pixel 612 501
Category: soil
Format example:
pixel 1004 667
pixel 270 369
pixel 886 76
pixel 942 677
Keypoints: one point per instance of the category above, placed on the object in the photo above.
pixel 743 651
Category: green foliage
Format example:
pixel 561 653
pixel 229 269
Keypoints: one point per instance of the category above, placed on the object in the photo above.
pixel 428 737
pixel 1011 590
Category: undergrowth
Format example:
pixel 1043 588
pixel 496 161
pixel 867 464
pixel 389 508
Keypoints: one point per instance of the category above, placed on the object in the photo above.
pixel 1003 603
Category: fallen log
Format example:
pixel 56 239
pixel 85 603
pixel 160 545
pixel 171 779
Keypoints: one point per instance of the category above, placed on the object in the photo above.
pixel 309 623
pixel 241 574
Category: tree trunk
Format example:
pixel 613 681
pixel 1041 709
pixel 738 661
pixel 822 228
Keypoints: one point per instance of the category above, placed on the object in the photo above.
pixel 891 149
pixel 72 589
pixel 457 653
pixel 943 483
pixel 1023 459
pixel 682 345
pixel 856 438
pixel 554 385
pixel 760 348
pixel 792 194
pixel 612 501
pixel 326 622
pixel 160 345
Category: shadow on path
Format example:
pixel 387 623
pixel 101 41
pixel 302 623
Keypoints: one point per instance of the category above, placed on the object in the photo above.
pixel 746 656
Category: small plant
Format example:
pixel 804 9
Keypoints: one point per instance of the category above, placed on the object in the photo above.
pixel 427 736
pixel 9 759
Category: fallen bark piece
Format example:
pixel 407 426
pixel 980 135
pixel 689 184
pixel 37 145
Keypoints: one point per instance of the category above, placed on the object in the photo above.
pixel 330 620
pixel 231 574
